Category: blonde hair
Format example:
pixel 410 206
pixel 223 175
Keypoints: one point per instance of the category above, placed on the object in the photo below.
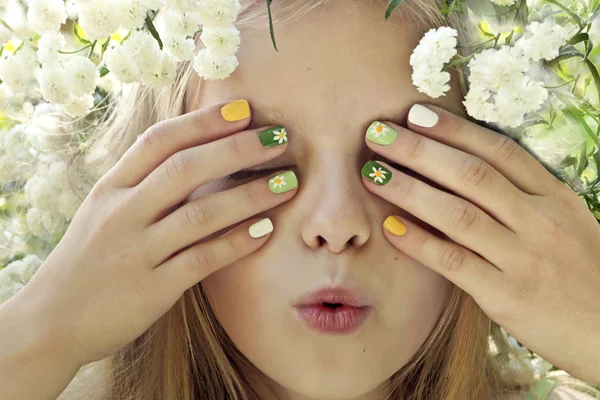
pixel 187 355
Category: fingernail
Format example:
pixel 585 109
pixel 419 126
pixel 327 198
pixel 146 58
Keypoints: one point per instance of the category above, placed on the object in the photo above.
pixel 376 173
pixel 283 182
pixel 393 225
pixel 236 111
pixel 273 137
pixel 381 133
pixel 422 116
pixel 261 228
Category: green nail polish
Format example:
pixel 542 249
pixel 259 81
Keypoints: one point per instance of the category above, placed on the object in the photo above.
pixel 376 173
pixel 381 133
pixel 273 137
pixel 283 182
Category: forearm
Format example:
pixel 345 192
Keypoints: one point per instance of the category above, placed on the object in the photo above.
pixel 33 365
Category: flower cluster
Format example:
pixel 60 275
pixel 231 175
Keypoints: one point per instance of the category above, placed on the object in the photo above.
pixel 135 40
pixel 500 91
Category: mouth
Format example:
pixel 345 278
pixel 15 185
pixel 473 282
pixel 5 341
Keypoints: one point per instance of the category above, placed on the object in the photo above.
pixel 334 310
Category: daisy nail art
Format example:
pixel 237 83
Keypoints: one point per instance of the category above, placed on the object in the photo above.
pixel 283 182
pixel 273 137
pixel 381 133
pixel 376 173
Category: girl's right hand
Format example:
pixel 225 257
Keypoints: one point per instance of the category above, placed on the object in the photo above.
pixel 129 253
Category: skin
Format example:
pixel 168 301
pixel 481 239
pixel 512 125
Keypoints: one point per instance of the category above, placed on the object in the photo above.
pixel 339 86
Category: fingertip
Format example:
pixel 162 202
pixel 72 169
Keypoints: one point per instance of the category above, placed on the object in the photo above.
pixel 261 228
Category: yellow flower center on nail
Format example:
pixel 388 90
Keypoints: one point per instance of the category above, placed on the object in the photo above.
pixel 379 129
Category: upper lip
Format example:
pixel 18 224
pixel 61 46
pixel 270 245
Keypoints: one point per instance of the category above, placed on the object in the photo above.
pixel 351 297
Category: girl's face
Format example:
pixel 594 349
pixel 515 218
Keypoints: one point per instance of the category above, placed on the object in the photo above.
pixel 338 69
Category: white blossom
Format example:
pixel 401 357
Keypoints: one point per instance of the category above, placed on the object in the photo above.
pixel 504 2
pixel 82 73
pixel 46 15
pixel 97 18
pixel 131 13
pixel 210 66
pixel 49 45
pixel 181 6
pixel 178 46
pixel 221 41
pixel 55 85
pixel 545 40
pixel 80 106
pixel 218 13
pixel 121 64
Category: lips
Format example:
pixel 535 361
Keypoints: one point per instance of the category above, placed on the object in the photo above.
pixel 334 310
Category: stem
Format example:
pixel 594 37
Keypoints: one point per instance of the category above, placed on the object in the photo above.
pixel 76 51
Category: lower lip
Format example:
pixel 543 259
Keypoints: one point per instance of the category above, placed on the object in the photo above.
pixel 340 320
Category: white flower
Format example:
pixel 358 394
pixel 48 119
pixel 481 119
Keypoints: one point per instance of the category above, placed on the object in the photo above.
pixel 435 49
pixel 210 66
pixel 97 18
pixel 218 13
pixel 120 63
pixel 504 2
pixel 278 181
pixel 80 106
pixel 378 174
pixel 22 270
pixel 34 221
pixel 46 15
pixel 181 5
pixel 379 129
pixel 151 4
pixel 221 41
pixel 82 73
pixel 432 82
pixel 14 75
pixel 160 71
pixel 131 13
pixel 9 290
pixel 49 45
pixel 179 46
pixel 494 68
pixel 280 136
pixel 545 40
pixel 55 84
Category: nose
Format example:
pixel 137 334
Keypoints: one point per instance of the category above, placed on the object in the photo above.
pixel 338 217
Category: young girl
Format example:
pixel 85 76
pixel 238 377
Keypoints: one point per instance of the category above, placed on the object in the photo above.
pixel 242 247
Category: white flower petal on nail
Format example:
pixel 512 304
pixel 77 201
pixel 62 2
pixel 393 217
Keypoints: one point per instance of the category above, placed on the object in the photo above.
pixel 278 182
pixel 280 136
pixel 378 174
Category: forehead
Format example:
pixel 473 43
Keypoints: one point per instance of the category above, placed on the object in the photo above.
pixel 334 63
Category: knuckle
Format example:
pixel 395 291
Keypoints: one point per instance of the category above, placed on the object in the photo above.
pixel 414 149
pixel 474 171
pixel 453 258
pixel 151 137
pixel 410 188
pixel 201 258
pixel 177 165
pixel 198 213
pixel 463 216
pixel 505 148
pixel 235 243
pixel 237 146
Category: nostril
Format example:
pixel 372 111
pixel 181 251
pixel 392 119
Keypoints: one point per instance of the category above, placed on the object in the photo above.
pixel 321 240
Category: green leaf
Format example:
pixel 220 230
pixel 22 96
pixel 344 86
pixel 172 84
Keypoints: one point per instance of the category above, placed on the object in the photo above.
pixel 486 33
pixel 583 161
pixel 103 71
pixel 105 46
pixel 392 5
pixel 580 37
pixel 76 33
pixel 153 31
pixel 271 25
pixel 594 72
pixel 567 162
pixel 509 37
pixel 573 15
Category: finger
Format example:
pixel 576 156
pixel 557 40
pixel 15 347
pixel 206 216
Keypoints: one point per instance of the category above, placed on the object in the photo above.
pixel 181 174
pixel 191 266
pixel 168 137
pixel 457 218
pixel 500 151
pixel 463 173
pixel 209 214
pixel 461 266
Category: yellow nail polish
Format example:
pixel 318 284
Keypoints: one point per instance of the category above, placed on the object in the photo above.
pixel 394 226
pixel 236 111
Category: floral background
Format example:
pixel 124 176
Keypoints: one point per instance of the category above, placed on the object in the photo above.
pixel 38 195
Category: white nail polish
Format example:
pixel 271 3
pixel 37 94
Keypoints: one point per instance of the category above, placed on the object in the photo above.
pixel 261 228
pixel 422 116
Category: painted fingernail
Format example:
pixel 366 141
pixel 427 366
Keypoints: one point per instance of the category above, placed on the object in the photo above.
pixel 422 116
pixel 381 133
pixel 261 228
pixel 236 110
pixel 283 182
pixel 393 225
pixel 376 173
pixel 273 137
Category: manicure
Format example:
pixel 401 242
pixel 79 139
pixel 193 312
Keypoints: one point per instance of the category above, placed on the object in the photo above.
pixel 236 111
pixel 273 137
pixel 381 133
pixel 422 116
pixel 376 173
pixel 283 182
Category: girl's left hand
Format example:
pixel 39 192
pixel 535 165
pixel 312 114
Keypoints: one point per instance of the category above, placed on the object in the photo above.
pixel 520 242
